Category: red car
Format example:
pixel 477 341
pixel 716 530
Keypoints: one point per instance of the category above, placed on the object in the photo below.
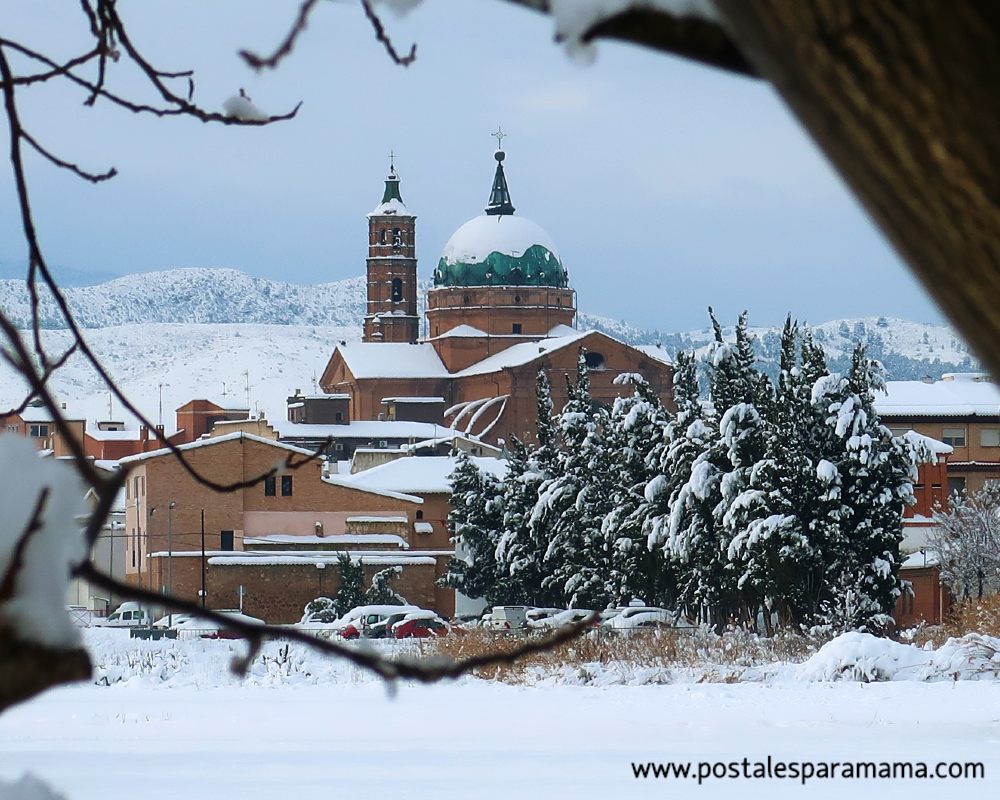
pixel 420 627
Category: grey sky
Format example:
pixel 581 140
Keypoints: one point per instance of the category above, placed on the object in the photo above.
pixel 666 186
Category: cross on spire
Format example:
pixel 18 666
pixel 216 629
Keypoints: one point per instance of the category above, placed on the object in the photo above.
pixel 500 136
pixel 392 162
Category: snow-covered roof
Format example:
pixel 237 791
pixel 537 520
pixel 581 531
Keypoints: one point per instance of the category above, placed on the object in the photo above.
pixel 392 360
pixel 334 539
pixel 115 436
pixel 372 518
pixel 960 395
pixel 213 440
pixel 519 354
pixel 364 429
pixel 423 527
pixel 925 558
pixel 420 474
pixel 562 330
pixel 390 208
pixel 504 233
pixel 462 331
pixel 322 557
pixel 42 414
pixel 657 351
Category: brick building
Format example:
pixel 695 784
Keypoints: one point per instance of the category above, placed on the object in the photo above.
pixel 266 535
pixel 501 309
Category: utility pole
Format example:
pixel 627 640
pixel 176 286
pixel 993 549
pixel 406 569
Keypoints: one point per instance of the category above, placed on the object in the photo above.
pixel 170 557
pixel 203 592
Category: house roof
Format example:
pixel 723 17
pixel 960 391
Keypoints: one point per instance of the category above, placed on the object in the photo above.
pixel 959 395
pixel 214 440
pixel 364 429
pixel 522 353
pixel 420 474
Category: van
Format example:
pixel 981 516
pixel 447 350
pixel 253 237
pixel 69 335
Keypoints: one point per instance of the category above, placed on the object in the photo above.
pixel 507 618
pixel 127 615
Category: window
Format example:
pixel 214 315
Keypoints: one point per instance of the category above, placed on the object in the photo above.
pixel 420 515
pixel 953 436
pixel 269 485
pixel 517 299
pixel 39 431
pixel 397 239
pixel 397 290
pixel 956 486
pixel 286 485
pixel 226 540
pixel 990 437
pixel 381 238
pixel 338 417
pixel 338 446
pixel 515 327
pixel 594 360
pixel 466 299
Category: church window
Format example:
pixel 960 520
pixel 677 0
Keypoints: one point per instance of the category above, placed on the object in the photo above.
pixel 515 327
pixel 594 360
pixel 420 515
pixel 381 238
pixel 466 299
pixel 397 238
pixel 517 298
pixel 397 290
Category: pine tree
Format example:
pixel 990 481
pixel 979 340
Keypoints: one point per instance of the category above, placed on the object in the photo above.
pixel 634 441
pixel 351 593
pixel 520 552
pixel 474 522
pixel 381 593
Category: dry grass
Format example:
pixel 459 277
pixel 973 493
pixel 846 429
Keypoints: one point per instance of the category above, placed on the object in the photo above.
pixel 971 616
pixel 710 657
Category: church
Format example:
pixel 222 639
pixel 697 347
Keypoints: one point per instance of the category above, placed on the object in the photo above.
pixel 501 308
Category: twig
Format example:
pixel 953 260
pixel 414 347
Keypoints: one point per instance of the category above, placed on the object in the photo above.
pixel 93 177
pixel 288 43
pixel 380 34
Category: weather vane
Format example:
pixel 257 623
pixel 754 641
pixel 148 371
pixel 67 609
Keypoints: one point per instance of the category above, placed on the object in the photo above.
pixel 500 137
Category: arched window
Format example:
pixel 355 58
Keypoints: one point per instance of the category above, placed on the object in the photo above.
pixel 594 360
pixel 466 299
pixel 397 290
pixel 517 299
pixel 420 515
pixel 397 238
pixel 381 237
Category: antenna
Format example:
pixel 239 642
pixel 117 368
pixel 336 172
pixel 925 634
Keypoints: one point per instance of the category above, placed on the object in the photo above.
pixel 246 375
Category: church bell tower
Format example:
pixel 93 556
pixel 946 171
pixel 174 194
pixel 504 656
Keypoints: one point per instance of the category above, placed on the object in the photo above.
pixel 391 315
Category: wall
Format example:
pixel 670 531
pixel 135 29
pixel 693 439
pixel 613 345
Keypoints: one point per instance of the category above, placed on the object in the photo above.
pixel 974 462
pixel 930 601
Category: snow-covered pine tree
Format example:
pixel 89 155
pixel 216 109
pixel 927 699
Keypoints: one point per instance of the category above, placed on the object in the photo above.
pixel 351 593
pixel 474 522
pixel 573 502
pixel 699 536
pixel 634 440
pixel 775 521
pixel 876 472
pixel 519 552
pixel 381 593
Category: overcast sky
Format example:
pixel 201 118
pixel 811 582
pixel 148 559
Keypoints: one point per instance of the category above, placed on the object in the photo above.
pixel 666 186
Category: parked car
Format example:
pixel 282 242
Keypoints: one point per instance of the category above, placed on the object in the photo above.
pixel 647 617
pixel 127 615
pixel 563 618
pixel 209 629
pixel 507 618
pixel 420 625
pixel 536 615
pixel 371 622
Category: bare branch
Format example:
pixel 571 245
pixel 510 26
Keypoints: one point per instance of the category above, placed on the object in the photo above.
pixel 288 43
pixel 380 34
pixel 93 177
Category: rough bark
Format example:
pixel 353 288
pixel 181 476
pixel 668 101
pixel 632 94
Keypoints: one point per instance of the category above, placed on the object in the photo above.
pixel 902 97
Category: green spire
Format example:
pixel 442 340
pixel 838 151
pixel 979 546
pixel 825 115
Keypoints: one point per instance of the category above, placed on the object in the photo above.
pixel 391 186
pixel 500 196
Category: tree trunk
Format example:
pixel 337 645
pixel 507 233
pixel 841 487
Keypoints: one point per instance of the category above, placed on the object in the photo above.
pixel 902 97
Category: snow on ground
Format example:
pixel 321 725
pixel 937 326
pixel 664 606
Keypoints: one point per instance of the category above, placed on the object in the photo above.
pixel 195 732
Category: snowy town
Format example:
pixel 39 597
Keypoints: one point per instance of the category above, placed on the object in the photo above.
pixel 354 452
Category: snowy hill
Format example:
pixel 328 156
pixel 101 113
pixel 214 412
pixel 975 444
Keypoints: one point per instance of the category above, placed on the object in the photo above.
pixel 198 331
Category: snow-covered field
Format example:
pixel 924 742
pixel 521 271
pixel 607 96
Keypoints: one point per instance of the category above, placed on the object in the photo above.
pixel 301 728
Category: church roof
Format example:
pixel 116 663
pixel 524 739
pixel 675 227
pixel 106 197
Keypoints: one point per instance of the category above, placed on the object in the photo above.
pixel 499 249
pixel 392 360
pixel 392 201
pixel 524 353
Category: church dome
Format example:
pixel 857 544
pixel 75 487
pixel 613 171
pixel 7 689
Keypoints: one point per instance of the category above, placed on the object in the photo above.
pixel 500 250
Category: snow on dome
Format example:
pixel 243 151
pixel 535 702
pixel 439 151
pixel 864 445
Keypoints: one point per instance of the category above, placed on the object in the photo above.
pixel 500 250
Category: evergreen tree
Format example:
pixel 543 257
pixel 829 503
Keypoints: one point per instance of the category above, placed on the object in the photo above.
pixel 474 522
pixel 634 440
pixel 381 593
pixel 351 593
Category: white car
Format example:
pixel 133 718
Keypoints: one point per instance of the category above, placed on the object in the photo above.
pixel 562 619
pixel 646 617
pixel 127 615
pixel 507 618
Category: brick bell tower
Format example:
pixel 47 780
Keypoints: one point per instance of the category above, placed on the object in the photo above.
pixel 391 315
